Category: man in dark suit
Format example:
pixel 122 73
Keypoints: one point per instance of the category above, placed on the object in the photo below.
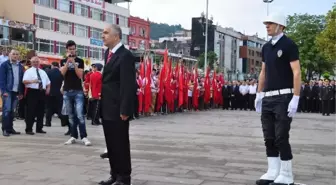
pixel 225 94
pixel 117 103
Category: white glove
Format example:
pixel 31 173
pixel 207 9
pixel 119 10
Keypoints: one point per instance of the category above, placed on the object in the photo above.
pixel 258 102
pixel 293 105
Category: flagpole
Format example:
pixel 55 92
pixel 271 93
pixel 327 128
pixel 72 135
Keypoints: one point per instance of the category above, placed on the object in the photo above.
pixel 206 37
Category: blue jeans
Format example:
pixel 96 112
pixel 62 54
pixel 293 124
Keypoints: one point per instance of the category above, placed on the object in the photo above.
pixel 73 101
pixel 8 106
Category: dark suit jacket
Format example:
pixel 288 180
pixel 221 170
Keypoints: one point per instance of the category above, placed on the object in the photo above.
pixel 225 91
pixel 56 80
pixel 118 89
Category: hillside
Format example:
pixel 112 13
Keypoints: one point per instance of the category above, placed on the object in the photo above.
pixel 158 30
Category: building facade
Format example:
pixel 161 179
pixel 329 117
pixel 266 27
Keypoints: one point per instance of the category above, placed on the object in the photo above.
pixel 226 46
pixel 139 37
pixel 58 21
pixel 250 53
pixel 198 25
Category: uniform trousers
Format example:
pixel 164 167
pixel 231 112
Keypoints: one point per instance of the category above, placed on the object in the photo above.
pixel 326 107
pixel 118 149
pixel 35 109
pixel 252 97
pixel 276 126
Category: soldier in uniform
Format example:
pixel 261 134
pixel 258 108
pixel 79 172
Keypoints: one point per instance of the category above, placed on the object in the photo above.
pixel 326 95
pixel 280 81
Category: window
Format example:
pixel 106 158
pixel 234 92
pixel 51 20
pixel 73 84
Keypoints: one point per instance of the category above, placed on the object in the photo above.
pixel 64 5
pixel 96 33
pixel 60 48
pixel 133 30
pixel 64 27
pixel 47 3
pixel 142 32
pixel 124 39
pixel 81 10
pixel 44 22
pixel 110 18
pixel 96 14
pixel 123 21
pixel 43 45
pixel 81 31
pixel 82 51
pixel 96 53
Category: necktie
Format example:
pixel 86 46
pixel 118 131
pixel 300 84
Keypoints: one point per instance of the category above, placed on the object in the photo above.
pixel 39 79
pixel 109 57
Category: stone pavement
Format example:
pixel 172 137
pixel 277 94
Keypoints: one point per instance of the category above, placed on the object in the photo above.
pixel 199 148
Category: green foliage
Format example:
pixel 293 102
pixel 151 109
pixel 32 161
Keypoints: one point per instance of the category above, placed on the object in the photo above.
pixel 212 58
pixel 303 30
pixel 23 52
pixel 326 40
pixel 158 30
pixel 326 75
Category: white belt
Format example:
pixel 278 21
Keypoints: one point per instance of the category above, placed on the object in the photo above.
pixel 278 92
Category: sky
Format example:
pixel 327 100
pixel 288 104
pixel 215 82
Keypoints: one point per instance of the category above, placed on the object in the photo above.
pixel 245 16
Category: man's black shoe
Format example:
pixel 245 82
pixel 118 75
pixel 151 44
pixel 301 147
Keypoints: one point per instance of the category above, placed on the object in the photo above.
pixel 120 183
pixel 109 181
pixel 41 132
pixel 14 132
pixel 5 133
pixel 67 133
pixel 104 155
pixel 30 133
pixel 263 182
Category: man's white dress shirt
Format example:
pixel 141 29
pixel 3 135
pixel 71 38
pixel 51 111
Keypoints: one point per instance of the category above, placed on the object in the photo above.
pixel 31 74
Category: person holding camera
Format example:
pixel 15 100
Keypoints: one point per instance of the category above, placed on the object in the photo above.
pixel 73 96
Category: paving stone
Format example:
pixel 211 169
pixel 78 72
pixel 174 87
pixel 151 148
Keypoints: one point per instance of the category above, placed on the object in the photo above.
pixel 209 148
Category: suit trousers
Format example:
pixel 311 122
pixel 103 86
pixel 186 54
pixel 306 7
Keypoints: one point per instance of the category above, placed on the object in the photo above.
pixel 54 105
pixel 35 109
pixel 252 97
pixel 325 107
pixel 276 126
pixel 118 148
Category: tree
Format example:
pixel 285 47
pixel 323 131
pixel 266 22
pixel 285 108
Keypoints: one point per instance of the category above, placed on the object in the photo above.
pixel 326 39
pixel 212 58
pixel 23 52
pixel 303 30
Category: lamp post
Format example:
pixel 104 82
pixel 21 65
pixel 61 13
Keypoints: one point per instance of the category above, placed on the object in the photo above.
pixel 268 2
pixel 206 37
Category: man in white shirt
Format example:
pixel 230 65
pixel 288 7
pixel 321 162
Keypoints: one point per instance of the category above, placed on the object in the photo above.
pixel 243 89
pixel 38 86
pixel 3 57
pixel 252 94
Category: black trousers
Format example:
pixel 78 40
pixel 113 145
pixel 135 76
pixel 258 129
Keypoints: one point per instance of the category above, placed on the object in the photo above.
pixel 326 107
pixel 252 97
pixel 35 109
pixel 276 126
pixel 118 149
pixel 22 108
pixel 136 106
pixel 54 105
pixel 226 102
pixel 95 110
pixel 234 102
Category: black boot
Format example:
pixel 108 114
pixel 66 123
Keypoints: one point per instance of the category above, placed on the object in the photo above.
pixel 109 181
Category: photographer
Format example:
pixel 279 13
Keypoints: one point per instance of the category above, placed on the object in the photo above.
pixel 73 97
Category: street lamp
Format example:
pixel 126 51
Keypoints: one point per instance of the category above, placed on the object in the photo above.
pixel 206 37
pixel 267 2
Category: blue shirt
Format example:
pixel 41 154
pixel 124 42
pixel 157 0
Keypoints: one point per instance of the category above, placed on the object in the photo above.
pixel 15 68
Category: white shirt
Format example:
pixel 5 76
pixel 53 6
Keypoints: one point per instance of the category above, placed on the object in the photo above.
pixel 3 58
pixel 276 38
pixel 243 89
pixel 253 89
pixel 116 47
pixel 31 74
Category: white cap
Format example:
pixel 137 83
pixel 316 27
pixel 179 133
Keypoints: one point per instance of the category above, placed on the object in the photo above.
pixel 277 19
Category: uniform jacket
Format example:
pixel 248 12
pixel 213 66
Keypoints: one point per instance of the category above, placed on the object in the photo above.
pixel 95 84
pixel 7 79
pixel 225 91
pixel 326 92
pixel 118 87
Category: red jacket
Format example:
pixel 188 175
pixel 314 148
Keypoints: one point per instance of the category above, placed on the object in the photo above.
pixel 87 81
pixel 95 84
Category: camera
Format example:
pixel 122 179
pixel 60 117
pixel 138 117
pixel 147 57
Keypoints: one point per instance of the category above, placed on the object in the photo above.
pixel 72 56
